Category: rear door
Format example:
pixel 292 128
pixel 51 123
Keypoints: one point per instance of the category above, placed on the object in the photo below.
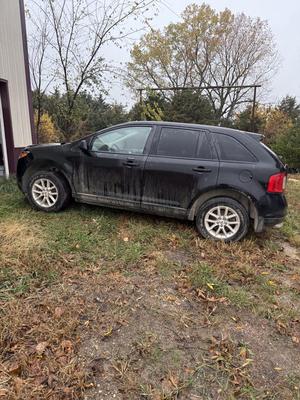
pixel 180 166
pixel 237 164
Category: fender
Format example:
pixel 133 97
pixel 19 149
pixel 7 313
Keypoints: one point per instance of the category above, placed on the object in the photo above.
pixel 244 198
pixel 48 165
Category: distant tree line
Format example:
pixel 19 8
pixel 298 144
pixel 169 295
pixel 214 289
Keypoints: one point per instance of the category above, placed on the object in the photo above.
pixel 280 124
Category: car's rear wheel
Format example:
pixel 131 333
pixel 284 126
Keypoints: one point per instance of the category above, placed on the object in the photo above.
pixel 223 218
pixel 48 191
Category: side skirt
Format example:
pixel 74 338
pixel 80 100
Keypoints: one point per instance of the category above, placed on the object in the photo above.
pixel 147 208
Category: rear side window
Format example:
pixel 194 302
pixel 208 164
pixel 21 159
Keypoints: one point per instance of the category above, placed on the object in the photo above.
pixel 232 150
pixel 177 143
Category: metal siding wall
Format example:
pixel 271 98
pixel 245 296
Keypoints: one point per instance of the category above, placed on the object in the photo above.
pixel 12 69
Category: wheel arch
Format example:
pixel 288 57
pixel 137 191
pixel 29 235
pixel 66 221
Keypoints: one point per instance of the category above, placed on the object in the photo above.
pixel 45 165
pixel 245 199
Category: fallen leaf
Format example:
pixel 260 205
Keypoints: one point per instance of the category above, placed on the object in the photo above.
pixel 108 332
pixel 295 277
pixel 58 312
pixel 62 359
pixel 296 339
pixel 68 392
pixel 14 368
pixel 41 380
pixel 67 346
pixel 170 298
pixel 248 361
pixel 19 383
pixel 3 392
pixel 41 347
pixel 243 352
pixel 212 299
pixel 173 380
pixel 281 324
pixel 51 379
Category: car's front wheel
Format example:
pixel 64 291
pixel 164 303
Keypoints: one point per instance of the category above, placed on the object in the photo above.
pixel 222 218
pixel 48 191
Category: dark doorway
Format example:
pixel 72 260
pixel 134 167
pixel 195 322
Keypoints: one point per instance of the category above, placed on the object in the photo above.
pixel 7 127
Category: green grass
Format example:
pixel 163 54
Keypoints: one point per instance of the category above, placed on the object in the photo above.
pixel 291 226
pixel 17 285
pixel 204 277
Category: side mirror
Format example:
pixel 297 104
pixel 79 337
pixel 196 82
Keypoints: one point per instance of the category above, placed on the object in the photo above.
pixel 83 146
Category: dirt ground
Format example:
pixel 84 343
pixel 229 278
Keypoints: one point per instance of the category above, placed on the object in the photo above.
pixel 99 304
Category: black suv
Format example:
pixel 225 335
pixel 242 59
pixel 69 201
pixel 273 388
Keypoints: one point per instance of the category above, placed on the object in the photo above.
pixel 221 178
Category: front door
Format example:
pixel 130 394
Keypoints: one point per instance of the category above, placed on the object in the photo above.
pixel 113 167
pixel 180 166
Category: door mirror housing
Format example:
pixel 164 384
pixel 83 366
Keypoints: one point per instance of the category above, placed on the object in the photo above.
pixel 83 146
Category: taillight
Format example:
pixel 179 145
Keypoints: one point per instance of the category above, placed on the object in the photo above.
pixel 277 183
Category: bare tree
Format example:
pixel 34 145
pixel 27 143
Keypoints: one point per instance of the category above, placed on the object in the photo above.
pixel 207 48
pixel 40 65
pixel 73 35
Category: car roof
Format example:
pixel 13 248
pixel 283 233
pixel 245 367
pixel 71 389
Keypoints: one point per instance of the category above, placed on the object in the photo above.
pixel 212 128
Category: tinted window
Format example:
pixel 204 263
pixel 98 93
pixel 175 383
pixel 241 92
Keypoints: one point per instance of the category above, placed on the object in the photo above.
pixel 129 140
pixel 177 143
pixel 231 149
pixel 204 149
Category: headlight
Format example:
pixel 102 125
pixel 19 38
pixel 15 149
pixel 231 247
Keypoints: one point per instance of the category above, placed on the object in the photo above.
pixel 23 153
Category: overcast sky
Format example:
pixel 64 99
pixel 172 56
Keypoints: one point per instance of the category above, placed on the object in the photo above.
pixel 283 18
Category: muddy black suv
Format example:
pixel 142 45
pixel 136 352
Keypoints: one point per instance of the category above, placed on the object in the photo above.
pixel 222 178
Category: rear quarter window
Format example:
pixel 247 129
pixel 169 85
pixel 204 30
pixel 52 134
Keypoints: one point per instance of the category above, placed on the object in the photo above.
pixel 231 149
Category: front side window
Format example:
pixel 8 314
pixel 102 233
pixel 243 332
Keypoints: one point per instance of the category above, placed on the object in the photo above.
pixel 232 150
pixel 177 143
pixel 128 140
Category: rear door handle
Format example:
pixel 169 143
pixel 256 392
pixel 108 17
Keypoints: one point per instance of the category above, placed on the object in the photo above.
pixel 130 162
pixel 200 168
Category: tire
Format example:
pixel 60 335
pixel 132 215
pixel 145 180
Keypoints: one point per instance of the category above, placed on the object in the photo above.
pixel 222 218
pixel 43 182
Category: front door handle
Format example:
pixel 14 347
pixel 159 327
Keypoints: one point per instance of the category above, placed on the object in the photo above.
pixel 200 168
pixel 130 162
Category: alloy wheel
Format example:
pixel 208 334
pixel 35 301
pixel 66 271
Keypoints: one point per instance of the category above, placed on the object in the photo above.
pixel 44 192
pixel 222 222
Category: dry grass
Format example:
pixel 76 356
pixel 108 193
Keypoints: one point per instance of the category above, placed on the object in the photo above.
pixel 38 345
pixel 99 304
pixel 18 238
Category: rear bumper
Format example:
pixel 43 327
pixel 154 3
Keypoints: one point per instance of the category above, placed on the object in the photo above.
pixel 272 211
pixel 273 221
pixel 262 223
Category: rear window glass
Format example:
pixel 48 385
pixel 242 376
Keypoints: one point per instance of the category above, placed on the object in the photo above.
pixel 177 143
pixel 232 150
